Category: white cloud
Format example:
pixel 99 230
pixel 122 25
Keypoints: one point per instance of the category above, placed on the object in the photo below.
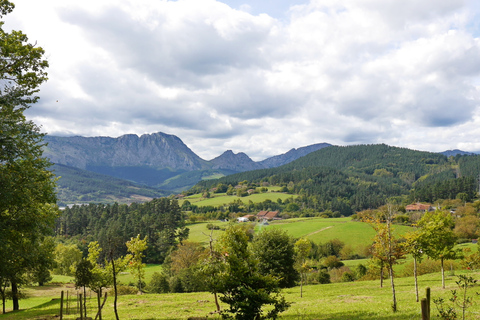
pixel 404 73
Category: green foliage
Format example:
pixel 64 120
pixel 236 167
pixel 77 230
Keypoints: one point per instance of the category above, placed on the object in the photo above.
pixel 158 283
pixel 161 220
pixel 66 258
pixel 136 246
pixel 274 250
pixel 243 288
pixel 458 300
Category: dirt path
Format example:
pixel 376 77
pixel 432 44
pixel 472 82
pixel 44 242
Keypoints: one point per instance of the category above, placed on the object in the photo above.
pixel 314 232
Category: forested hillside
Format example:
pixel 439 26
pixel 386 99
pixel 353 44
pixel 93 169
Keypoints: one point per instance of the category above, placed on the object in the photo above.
pixel 353 178
pixel 161 220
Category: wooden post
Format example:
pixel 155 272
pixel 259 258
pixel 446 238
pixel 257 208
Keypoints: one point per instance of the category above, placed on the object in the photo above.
pixel 425 315
pixel 81 306
pixel 61 306
pixel 427 293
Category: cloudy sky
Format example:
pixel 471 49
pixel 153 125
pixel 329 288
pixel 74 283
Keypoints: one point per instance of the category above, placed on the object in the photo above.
pixel 260 77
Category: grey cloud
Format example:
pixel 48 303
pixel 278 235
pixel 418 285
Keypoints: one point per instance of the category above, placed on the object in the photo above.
pixel 176 55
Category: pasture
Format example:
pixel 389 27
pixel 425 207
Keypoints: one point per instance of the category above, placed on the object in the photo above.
pixel 353 300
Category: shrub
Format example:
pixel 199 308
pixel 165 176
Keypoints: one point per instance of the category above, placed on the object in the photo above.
pixel 126 290
pixel 347 277
pixel 323 277
pixel 159 283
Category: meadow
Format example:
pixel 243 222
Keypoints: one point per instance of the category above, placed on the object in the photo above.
pixel 219 199
pixel 353 300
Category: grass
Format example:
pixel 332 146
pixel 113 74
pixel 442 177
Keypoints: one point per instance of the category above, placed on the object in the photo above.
pixel 219 199
pixel 354 300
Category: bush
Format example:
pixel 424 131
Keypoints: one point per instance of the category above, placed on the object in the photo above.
pixel 347 277
pixel 323 277
pixel 429 266
pixel 126 290
pixel 159 283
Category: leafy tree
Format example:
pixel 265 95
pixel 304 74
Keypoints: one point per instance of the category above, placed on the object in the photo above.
pixel 302 249
pixel 385 247
pixel 414 247
pixel 243 287
pixel 100 277
pixel 136 246
pixel 437 237
pixel 84 277
pixel 66 258
pixel 26 185
pixel 274 250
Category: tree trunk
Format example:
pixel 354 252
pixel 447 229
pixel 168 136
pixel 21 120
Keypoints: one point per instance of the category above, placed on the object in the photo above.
pixel 115 289
pixel 16 306
pixel 216 301
pixel 99 298
pixel 392 283
pixel 381 275
pixel 415 275
pixel 85 301
pixel 443 273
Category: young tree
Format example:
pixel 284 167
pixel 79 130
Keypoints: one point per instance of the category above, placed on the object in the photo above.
pixel 243 288
pixel 437 237
pixel 26 185
pixel 136 246
pixel 274 250
pixel 385 247
pixel 413 246
pixel 83 278
pixel 302 249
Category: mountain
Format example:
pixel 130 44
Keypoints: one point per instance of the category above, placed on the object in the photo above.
pixel 157 150
pixel 293 154
pixel 454 152
pixel 158 160
pixel 239 162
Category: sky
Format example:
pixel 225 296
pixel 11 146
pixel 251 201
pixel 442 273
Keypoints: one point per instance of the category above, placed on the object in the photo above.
pixel 260 77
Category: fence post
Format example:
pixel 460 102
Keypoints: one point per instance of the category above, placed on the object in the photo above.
pixel 427 293
pixel 61 306
pixel 81 306
pixel 424 309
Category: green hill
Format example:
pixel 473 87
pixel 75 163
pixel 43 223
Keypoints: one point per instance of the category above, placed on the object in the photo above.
pixel 81 186
pixel 354 178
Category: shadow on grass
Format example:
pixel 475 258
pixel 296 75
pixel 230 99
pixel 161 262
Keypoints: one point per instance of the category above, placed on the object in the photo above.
pixel 47 310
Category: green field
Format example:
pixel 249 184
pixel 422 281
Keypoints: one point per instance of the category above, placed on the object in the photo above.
pixel 354 300
pixel 219 199
pixel 319 230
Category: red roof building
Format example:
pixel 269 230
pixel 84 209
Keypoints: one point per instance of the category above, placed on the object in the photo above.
pixel 418 207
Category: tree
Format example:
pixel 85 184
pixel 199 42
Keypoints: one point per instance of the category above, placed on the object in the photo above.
pixel 274 250
pixel 136 246
pixel 414 247
pixel 66 258
pixel 26 186
pixel 302 249
pixel 83 278
pixel 242 286
pixel 385 247
pixel 100 275
pixel 437 237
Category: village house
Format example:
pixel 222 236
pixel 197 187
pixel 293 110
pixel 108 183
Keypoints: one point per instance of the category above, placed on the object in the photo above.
pixel 418 207
pixel 268 215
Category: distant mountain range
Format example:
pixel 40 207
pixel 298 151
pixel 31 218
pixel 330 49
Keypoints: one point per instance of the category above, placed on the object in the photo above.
pixel 147 166
pixel 157 160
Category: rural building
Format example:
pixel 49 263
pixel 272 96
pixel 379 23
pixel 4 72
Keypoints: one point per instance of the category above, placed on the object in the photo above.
pixel 418 207
pixel 268 215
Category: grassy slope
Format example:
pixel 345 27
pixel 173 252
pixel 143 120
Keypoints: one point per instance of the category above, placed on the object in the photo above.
pixel 218 199
pixel 354 300
pixel 319 230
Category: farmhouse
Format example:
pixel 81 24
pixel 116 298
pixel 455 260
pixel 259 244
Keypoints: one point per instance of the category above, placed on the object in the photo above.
pixel 268 215
pixel 418 207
